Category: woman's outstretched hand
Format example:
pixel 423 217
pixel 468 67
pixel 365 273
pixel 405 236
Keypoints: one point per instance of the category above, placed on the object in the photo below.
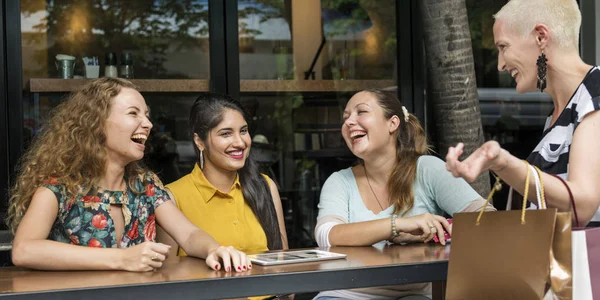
pixel 484 158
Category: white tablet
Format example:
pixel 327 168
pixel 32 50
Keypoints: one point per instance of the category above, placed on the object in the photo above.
pixel 292 257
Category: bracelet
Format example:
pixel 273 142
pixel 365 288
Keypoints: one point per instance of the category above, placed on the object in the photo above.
pixel 394 232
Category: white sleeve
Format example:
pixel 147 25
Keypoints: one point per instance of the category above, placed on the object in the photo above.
pixel 322 234
pixel 334 198
pixel 333 207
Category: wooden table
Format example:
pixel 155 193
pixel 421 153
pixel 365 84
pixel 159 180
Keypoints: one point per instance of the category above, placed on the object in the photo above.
pixel 190 278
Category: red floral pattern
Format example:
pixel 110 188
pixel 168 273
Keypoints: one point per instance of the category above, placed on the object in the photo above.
pixel 85 219
pixel 133 233
pixel 94 243
pixel 51 181
pixel 99 221
pixel 150 229
pixel 91 199
pixel 150 190
pixel 74 240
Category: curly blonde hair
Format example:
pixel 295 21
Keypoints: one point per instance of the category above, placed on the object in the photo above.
pixel 70 148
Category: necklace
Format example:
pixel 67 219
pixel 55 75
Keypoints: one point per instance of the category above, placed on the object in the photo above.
pixel 372 191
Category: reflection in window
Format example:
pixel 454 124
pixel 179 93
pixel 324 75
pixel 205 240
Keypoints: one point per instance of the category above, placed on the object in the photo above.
pixel 167 39
pixel 348 39
pixel 265 39
pixel 361 42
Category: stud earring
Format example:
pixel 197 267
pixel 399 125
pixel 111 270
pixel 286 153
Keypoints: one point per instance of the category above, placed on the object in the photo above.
pixel 542 71
pixel 201 160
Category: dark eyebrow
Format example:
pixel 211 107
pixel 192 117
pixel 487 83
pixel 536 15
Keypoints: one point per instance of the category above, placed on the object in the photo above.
pixel 231 129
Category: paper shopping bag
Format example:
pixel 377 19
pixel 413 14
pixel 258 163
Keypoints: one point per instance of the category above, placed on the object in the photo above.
pixel 511 254
pixel 586 256
pixel 500 258
pixel 586 263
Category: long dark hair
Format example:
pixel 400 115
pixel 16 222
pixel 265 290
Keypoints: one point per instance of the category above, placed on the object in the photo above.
pixel 411 143
pixel 207 112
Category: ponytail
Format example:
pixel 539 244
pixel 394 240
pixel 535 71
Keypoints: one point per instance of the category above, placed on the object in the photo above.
pixel 411 143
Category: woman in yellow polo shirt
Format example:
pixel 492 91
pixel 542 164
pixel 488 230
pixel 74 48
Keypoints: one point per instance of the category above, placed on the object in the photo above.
pixel 225 194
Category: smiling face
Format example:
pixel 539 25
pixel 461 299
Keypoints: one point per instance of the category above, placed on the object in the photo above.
pixel 127 127
pixel 228 144
pixel 517 55
pixel 365 128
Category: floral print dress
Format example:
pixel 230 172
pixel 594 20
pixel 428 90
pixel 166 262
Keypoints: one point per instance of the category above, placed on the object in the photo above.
pixel 84 219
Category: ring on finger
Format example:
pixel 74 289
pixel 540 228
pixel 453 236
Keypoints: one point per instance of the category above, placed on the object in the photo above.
pixel 155 257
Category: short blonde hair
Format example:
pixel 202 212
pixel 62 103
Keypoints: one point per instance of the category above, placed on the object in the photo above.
pixel 562 17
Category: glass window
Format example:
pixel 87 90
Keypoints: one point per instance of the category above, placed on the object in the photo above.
pixel 165 39
pixel 162 46
pixel 300 62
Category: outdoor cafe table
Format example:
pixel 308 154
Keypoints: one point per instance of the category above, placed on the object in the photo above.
pixel 190 278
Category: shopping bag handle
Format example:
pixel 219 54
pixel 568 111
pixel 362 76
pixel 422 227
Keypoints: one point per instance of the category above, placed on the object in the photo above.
pixel 570 198
pixel 539 187
pixel 498 186
pixel 541 202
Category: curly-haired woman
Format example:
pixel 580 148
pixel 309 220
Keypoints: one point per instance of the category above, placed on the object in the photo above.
pixel 80 184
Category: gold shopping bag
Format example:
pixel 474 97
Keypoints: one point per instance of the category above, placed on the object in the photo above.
pixel 511 254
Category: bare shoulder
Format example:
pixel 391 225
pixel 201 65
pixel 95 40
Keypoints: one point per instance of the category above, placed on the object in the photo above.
pixel 44 195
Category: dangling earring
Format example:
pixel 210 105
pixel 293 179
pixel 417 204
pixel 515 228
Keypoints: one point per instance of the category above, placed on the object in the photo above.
pixel 201 160
pixel 542 71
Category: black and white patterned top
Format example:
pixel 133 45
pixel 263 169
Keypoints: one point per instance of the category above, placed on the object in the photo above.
pixel 551 155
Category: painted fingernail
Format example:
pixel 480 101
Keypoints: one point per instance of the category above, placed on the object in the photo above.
pixel 244 268
pixel 216 266
pixel 249 266
pixel 239 269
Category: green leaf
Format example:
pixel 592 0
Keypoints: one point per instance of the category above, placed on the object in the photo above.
pixel 100 234
pixel 84 237
pixel 74 222
pixel 87 217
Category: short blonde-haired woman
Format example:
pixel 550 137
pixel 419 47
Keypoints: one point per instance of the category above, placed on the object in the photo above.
pixel 81 201
pixel 538 44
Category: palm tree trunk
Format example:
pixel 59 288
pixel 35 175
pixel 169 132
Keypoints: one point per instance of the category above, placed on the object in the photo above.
pixel 452 87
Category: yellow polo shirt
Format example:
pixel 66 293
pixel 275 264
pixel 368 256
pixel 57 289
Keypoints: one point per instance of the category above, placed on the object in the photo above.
pixel 225 216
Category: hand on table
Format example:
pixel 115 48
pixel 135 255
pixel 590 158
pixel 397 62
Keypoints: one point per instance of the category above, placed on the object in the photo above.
pixel 144 257
pixel 228 255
